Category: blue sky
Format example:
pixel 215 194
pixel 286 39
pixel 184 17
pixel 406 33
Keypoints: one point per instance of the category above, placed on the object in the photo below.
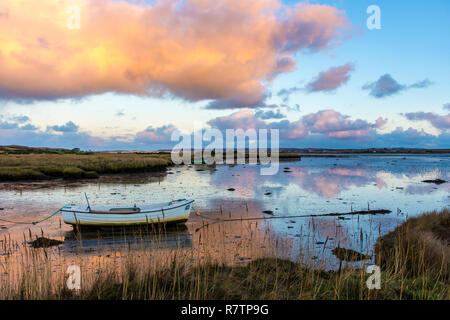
pixel 411 48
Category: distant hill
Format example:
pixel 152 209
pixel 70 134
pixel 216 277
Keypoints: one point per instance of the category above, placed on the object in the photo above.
pixel 17 149
pixel 306 151
pixel 364 151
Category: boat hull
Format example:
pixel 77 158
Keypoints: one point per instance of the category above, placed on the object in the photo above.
pixel 170 213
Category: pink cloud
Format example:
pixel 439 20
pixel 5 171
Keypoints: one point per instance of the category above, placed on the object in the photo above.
pixel 194 49
pixel 380 122
pixel 441 122
pixel 293 130
pixel 348 134
pixel 243 119
pixel 156 135
pixel 331 79
pixel 248 119
pixel 330 123
pixel 336 125
pixel 312 27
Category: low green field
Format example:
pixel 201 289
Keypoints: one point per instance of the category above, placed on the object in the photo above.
pixel 77 165
pixel 34 164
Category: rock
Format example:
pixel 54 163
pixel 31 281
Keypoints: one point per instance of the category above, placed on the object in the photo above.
pixel 435 181
pixel 349 254
pixel 244 258
pixel 45 243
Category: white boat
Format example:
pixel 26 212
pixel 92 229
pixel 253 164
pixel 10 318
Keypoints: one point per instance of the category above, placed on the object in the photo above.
pixel 173 212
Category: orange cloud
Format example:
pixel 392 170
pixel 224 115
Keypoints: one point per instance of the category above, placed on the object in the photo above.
pixel 194 49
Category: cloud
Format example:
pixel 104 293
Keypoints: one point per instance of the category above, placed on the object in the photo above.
pixel 270 114
pixel 327 81
pixel 331 79
pixel 120 113
pixel 438 121
pixel 29 127
pixel 446 106
pixel 20 118
pixel 13 122
pixel 336 125
pixel 8 125
pixel 295 107
pixel 156 135
pixel 224 50
pixel 286 93
pixel 421 84
pixel 380 122
pixel 411 138
pixel 316 130
pixel 329 123
pixel 243 119
pixel 291 130
pixel 68 127
pixel 331 129
pixel 237 104
pixel 247 119
pixel 387 86
pixel 68 140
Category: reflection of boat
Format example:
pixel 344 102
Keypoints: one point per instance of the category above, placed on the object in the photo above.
pixel 174 212
pixel 178 237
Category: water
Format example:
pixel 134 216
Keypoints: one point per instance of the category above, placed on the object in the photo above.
pixel 312 186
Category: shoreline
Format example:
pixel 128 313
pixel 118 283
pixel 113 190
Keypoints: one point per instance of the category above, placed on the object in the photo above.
pixel 22 172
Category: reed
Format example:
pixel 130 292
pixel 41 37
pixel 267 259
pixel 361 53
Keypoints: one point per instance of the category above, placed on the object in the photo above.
pixel 146 267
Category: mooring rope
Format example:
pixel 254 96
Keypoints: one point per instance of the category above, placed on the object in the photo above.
pixel 33 222
pixel 36 222
pixel 215 220
pixel 15 222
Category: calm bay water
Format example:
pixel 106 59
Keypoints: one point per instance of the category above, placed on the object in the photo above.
pixel 312 186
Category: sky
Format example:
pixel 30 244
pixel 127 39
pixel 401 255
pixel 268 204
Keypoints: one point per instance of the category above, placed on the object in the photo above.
pixel 126 75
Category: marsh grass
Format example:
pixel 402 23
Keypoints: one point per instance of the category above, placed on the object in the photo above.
pixel 419 248
pixel 44 166
pixel 35 165
pixel 142 269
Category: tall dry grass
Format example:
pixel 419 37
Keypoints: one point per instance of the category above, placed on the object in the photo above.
pixel 143 269
pixel 419 247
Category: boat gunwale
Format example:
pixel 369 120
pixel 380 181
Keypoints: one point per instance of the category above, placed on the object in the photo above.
pixel 135 213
